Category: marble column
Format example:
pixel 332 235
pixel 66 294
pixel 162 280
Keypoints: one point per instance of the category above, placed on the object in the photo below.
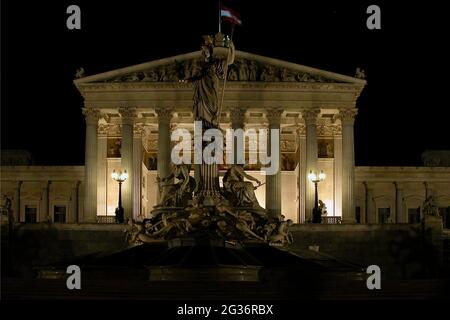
pixel 45 214
pixel 74 202
pixel 348 165
pixel 17 202
pixel 370 215
pixel 128 117
pixel 301 136
pixel 102 145
pixel 164 161
pixel 137 164
pixel 399 214
pixel 273 181
pixel 237 116
pixel 337 135
pixel 310 118
pixel 90 166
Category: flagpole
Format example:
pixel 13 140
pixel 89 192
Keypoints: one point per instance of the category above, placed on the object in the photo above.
pixel 220 18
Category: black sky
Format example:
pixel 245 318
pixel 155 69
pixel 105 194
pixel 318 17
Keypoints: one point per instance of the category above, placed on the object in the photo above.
pixel 402 111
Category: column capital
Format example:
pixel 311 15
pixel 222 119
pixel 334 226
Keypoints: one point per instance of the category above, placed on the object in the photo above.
pixel 273 115
pixel 128 115
pixel 19 184
pixel 91 115
pixel 347 116
pixel 237 116
pixel 310 115
pixel 164 114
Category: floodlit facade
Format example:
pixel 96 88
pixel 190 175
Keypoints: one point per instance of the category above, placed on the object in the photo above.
pixel 131 112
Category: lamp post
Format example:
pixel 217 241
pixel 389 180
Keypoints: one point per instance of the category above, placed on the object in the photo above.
pixel 119 177
pixel 314 178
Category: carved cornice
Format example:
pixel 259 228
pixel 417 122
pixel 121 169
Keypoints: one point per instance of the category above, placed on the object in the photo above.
pixel 273 116
pixel 242 70
pixel 164 114
pixel 347 116
pixel 310 115
pixel 91 115
pixel 318 87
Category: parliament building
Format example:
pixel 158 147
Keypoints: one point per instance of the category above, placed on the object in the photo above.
pixel 131 112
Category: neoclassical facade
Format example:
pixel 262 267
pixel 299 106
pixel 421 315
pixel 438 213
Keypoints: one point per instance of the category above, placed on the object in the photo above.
pixel 131 112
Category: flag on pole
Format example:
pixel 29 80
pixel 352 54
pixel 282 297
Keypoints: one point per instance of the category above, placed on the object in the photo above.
pixel 230 15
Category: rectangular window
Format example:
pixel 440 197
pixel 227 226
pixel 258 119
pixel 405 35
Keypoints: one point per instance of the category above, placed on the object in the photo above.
pixel 383 215
pixel 59 214
pixel 445 214
pixel 414 215
pixel 30 214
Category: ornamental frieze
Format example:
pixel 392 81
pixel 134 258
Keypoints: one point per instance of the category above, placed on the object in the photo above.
pixel 241 70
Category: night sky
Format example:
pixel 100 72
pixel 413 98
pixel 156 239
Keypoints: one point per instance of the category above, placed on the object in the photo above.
pixel 402 110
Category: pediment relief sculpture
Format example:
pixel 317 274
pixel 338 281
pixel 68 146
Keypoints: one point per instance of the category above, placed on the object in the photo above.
pixel 242 70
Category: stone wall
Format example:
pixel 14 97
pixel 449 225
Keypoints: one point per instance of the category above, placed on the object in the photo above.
pixel 42 243
pixel 401 250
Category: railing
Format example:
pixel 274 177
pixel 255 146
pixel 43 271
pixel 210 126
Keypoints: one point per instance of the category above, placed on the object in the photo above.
pixel 106 219
pixel 331 220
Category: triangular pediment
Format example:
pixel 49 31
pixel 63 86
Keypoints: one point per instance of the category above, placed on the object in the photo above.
pixel 247 67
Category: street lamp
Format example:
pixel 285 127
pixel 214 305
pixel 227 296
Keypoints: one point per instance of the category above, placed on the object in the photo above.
pixel 312 176
pixel 119 177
